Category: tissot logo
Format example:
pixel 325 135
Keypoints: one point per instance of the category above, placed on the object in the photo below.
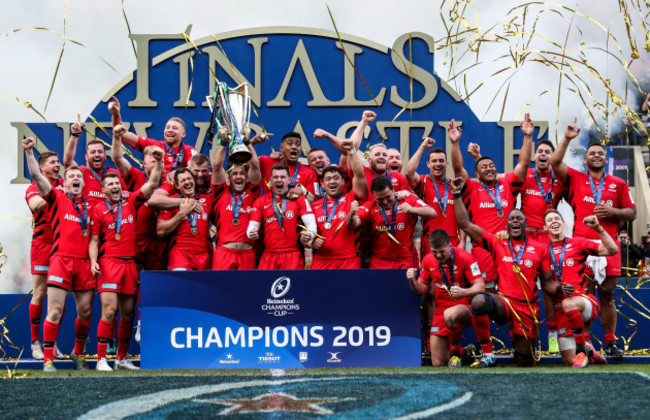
pixel 294 75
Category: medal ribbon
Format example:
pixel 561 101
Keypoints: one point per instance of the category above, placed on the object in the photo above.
pixel 330 215
pixel 393 217
pixel 83 218
pixel 193 216
pixel 496 197
pixel 96 175
pixel 279 212
pixel 442 202
pixel 236 204
pixel 294 177
pixel 116 216
pixel 597 193
pixel 178 157
pixel 548 197
pixel 558 266
pixel 448 282
pixel 519 256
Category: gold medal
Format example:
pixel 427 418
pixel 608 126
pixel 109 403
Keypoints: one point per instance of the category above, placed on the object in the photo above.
pixel 84 233
pixel 235 222
pixel 194 231
pixel 500 213
pixel 328 225
pixel 117 236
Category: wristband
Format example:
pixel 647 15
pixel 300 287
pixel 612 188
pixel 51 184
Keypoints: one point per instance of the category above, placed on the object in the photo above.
pixel 304 190
pixel 456 193
pixel 76 134
pixel 352 151
pixel 600 229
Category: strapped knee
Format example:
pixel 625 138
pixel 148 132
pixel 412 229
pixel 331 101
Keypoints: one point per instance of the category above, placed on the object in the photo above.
pixel 488 308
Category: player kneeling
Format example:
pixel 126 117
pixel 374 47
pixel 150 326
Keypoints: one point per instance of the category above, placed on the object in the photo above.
pixel 456 278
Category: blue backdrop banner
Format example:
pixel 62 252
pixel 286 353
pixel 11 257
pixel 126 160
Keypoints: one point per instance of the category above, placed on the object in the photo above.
pixel 279 319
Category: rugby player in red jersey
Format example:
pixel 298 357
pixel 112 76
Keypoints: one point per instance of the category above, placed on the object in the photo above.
pixel 112 252
pixel 394 160
pixel 96 160
pixel 49 165
pixel 452 276
pixel 596 193
pixel 338 243
pixel 574 312
pixel 518 262
pixel 234 198
pixel 177 153
pixel 302 178
pixel 190 247
pixel 318 161
pixel 69 268
pixel 279 216
pixel 489 200
pixel 391 225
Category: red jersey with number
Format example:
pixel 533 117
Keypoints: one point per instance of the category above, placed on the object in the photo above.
pixel 183 238
pixel 466 272
pixel 444 220
pixel 103 224
pixel 305 177
pixel 398 180
pixel 616 193
pixel 383 246
pixel 42 230
pixel 224 216
pixel 93 184
pixel 534 261
pixel 482 210
pixel 575 255
pixel 340 240
pixel 276 238
pixel 170 159
pixel 533 203
pixel 67 238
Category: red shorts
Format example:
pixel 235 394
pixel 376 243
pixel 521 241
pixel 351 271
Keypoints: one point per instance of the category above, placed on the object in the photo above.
pixel 117 276
pixel 70 273
pixel 231 259
pixel 425 247
pixel 540 236
pixel 188 260
pixel 485 263
pixel 151 253
pixel 291 260
pixel 438 326
pixel 520 320
pixel 40 256
pixel 376 262
pixel 319 263
pixel 563 328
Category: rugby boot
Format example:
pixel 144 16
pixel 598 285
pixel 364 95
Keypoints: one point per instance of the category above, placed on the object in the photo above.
pixel 613 350
pixel 471 354
pixel 125 364
pixel 454 362
pixel 553 346
pixel 137 333
pixel 37 350
pixel 49 366
pixel 111 349
pixel 102 365
pixel 488 360
pixel 580 361
pixel 79 362
pixel 58 354
pixel 593 355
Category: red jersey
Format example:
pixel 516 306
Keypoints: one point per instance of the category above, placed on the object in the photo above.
pixel 147 217
pixel 183 238
pixel 171 189
pixel 103 224
pixel 305 176
pixel 224 200
pixel 382 245
pixel 534 260
pixel 42 230
pixel 340 242
pixel 533 203
pixel 398 180
pixel 482 210
pixel 616 193
pixel 575 255
pixel 173 159
pixel 466 272
pixel 93 184
pixel 66 222
pixel 276 238
pixel 426 190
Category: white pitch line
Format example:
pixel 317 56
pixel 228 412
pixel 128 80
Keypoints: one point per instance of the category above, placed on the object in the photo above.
pixel 438 409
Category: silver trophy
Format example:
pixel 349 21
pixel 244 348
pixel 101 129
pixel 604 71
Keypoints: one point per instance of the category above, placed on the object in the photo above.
pixel 233 110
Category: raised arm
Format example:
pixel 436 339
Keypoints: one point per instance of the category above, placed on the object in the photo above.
pixel 116 118
pixel 607 246
pixel 218 171
pixel 557 158
pixel 419 287
pixel 413 163
pixel 357 135
pixel 42 183
pixel 254 170
pixel 359 184
pixel 154 177
pixel 527 127
pixel 117 153
pixel 462 218
pixel 71 148
pixel 454 133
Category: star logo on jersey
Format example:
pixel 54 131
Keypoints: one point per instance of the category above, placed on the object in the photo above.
pixel 274 402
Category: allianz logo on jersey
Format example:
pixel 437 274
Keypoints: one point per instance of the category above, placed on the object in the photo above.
pixel 278 304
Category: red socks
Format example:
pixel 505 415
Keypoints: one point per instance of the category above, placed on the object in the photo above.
pixel 124 331
pixel 103 334
pixel 482 328
pixel 50 331
pixel 35 315
pixel 81 329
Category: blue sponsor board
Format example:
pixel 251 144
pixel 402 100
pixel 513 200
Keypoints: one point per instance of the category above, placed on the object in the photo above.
pixel 279 319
